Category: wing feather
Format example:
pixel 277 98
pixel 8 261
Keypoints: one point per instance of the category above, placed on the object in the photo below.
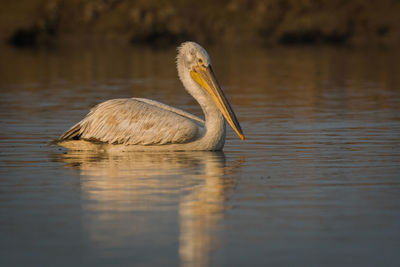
pixel 136 122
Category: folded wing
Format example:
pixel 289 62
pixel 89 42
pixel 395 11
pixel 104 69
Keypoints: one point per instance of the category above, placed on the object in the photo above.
pixel 136 122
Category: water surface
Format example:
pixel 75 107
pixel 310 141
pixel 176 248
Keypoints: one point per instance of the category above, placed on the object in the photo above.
pixel 317 181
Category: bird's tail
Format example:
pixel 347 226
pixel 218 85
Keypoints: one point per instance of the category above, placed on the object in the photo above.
pixel 72 134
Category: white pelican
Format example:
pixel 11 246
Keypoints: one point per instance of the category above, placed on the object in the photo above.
pixel 133 124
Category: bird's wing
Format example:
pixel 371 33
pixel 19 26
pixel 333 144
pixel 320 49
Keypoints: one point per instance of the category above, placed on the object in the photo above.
pixel 136 122
pixel 175 110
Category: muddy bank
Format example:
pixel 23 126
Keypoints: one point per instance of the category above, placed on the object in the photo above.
pixel 160 23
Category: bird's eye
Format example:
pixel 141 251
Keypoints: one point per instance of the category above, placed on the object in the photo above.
pixel 201 62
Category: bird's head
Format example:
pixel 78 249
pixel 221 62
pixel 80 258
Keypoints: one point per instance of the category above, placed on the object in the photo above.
pixel 193 55
pixel 196 61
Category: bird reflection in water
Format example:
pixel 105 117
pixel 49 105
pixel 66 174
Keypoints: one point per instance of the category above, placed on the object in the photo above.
pixel 115 186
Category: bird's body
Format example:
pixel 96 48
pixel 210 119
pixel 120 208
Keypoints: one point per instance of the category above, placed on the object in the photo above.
pixel 135 124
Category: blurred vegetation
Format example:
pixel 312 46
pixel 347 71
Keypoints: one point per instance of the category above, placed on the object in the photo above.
pixel 165 22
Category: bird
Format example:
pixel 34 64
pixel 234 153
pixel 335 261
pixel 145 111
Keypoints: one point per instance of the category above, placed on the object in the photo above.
pixel 138 124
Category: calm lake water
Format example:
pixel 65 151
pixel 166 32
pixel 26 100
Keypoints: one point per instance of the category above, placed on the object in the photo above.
pixel 316 183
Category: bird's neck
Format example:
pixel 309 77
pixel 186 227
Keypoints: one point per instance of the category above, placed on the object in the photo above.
pixel 214 120
pixel 215 125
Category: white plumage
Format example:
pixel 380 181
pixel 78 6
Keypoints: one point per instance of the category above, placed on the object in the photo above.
pixel 143 124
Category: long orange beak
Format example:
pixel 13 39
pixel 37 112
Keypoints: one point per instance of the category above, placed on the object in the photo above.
pixel 205 77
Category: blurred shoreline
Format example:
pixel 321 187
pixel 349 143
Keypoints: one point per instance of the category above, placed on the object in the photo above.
pixel 37 23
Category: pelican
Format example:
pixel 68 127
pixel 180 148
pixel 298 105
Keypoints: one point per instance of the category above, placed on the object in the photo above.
pixel 137 124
